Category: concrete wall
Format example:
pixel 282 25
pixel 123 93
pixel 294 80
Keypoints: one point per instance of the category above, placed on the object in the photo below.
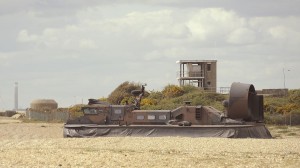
pixel 8 113
pixel 274 92
pixel 210 81
pixel 48 116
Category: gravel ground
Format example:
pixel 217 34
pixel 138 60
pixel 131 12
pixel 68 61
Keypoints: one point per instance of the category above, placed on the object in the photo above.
pixel 42 145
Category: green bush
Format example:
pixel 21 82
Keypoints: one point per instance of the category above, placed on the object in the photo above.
pixel 155 95
pixel 294 96
pixel 189 88
pixel 172 91
pixel 148 101
pixel 103 99
pixel 196 96
pixel 75 111
pixel 123 91
pixel 277 109
pixel 272 104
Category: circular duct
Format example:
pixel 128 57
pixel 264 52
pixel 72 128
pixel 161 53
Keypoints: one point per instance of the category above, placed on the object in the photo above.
pixel 241 99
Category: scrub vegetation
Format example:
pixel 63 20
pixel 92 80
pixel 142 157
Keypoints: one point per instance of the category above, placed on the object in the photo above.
pixel 283 110
pixel 278 110
pixel 170 97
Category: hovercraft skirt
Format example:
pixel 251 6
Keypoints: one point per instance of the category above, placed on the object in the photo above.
pixel 221 131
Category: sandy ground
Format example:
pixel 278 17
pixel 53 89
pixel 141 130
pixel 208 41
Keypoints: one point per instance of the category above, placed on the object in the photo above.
pixel 42 145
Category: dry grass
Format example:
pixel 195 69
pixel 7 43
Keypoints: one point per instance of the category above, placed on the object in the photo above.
pixel 285 132
pixel 42 145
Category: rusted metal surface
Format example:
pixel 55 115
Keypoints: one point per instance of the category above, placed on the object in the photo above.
pixel 244 103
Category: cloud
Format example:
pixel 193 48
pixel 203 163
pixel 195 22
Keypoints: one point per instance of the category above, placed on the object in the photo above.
pixel 151 34
pixel 242 36
pixel 158 31
pixel 25 37
pixel 87 44
pixel 213 23
pixel 91 49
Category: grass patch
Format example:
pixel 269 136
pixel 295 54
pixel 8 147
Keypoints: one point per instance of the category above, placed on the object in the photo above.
pixel 284 131
pixel 277 136
pixel 281 127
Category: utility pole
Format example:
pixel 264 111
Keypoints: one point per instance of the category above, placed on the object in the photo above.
pixel 16 96
pixel 283 71
pixel 283 78
pixel 284 88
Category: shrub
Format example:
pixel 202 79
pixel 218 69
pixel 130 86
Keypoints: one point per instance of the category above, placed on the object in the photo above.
pixel 271 104
pixel 286 108
pixel 127 100
pixel 294 96
pixel 155 95
pixel 75 111
pixel 103 99
pixel 189 88
pixel 172 91
pixel 148 101
pixel 122 91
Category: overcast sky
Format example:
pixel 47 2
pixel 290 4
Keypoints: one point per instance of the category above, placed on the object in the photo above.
pixel 72 50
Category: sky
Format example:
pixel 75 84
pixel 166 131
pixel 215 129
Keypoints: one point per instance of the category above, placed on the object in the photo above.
pixel 73 50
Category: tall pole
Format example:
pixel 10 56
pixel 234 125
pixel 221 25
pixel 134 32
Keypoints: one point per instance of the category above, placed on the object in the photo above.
pixel 284 92
pixel 290 112
pixel 16 96
pixel 283 78
pixel 284 88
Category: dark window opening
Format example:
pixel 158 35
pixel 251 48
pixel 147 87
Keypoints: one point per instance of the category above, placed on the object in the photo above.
pixel 208 67
pixel 179 117
pixel 91 111
pixel 198 113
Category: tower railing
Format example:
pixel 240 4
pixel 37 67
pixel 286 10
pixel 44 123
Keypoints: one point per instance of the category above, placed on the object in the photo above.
pixel 190 74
